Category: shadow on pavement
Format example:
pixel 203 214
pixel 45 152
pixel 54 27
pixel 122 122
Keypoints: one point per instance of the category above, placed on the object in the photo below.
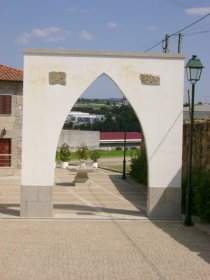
pixel 65 184
pixel 134 192
pixel 97 209
pixel 193 239
pixel 9 209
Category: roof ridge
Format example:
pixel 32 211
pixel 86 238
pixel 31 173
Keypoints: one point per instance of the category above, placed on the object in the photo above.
pixel 4 65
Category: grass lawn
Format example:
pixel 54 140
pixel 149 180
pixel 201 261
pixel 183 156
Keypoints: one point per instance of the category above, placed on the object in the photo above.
pixel 109 154
pixel 118 167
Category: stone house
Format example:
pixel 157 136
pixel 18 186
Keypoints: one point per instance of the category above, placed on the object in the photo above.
pixel 11 102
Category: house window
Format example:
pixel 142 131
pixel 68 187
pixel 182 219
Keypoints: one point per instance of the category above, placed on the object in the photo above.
pixel 5 104
pixel 5 152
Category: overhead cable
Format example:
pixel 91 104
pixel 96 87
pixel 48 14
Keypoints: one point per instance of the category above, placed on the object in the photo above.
pixel 179 31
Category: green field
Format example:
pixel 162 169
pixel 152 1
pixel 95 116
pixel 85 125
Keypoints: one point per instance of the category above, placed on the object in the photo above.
pixel 117 167
pixel 95 106
pixel 109 154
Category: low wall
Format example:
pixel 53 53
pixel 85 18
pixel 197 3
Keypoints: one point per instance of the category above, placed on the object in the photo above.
pixel 74 138
pixel 201 145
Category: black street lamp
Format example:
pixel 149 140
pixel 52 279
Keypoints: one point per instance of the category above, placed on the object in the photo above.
pixel 124 160
pixel 194 68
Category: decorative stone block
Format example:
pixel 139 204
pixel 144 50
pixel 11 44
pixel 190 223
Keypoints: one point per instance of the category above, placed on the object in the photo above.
pixel 57 78
pixel 148 79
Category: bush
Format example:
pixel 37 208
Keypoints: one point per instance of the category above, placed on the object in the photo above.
pixel 139 167
pixel 83 152
pixel 57 156
pixel 95 155
pixel 64 154
pixel 200 194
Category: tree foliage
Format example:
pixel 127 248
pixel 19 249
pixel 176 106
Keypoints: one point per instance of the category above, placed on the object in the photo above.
pixel 200 194
pixel 139 167
pixel 117 118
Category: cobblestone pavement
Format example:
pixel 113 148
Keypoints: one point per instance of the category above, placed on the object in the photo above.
pixel 136 249
pixel 99 231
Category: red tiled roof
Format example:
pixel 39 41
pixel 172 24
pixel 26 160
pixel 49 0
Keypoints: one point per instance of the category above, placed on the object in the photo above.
pixel 10 74
pixel 120 135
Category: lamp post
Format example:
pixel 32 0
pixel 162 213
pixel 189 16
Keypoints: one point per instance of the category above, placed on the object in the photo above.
pixel 194 68
pixel 124 160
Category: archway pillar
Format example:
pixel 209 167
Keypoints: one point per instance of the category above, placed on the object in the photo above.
pixel 164 203
pixel 152 83
pixel 36 201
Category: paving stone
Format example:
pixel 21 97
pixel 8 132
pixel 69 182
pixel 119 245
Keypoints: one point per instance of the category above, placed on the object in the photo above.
pixel 61 249
pixel 95 234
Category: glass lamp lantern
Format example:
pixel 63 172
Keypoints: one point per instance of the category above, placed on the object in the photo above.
pixel 194 68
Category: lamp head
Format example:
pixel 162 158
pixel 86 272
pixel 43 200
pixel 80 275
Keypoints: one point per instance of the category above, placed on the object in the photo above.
pixel 194 68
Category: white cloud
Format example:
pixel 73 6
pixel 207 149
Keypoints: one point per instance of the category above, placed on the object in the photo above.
pixel 198 11
pixel 49 34
pixel 73 9
pixel 111 24
pixel 152 27
pixel 86 35
pixel 80 9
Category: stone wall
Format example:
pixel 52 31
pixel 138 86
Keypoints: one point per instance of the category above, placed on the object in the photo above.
pixel 13 125
pixel 201 145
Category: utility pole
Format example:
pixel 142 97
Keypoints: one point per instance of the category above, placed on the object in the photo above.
pixel 166 47
pixel 179 42
pixel 124 159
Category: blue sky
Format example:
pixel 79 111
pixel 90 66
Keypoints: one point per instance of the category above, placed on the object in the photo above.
pixel 112 25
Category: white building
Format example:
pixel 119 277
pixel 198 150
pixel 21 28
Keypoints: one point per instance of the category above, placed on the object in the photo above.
pixel 200 112
pixel 78 118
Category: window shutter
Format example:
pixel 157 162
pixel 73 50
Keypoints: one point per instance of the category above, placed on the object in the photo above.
pixel 5 104
pixel 1 104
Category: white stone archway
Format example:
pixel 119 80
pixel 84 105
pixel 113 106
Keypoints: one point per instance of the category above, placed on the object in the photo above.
pixel 153 84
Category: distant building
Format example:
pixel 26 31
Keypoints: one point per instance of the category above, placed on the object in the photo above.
pixel 125 101
pixel 200 112
pixel 112 140
pixel 99 140
pixel 11 102
pixel 78 118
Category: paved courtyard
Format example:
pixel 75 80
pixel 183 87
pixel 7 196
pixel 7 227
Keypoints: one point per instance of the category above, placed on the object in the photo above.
pixel 99 231
pixel 135 249
pixel 104 196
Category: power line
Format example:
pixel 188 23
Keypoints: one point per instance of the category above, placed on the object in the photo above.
pixel 201 26
pixel 141 45
pixel 179 31
pixel 195 33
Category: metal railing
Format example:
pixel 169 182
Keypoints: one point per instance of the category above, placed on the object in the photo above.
pixel 5 160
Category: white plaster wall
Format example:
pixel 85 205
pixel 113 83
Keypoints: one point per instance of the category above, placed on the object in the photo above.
pixel 159 108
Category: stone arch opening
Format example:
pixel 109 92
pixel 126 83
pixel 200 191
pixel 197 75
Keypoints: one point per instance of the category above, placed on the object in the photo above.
pixel 153 84
pixel 65 183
